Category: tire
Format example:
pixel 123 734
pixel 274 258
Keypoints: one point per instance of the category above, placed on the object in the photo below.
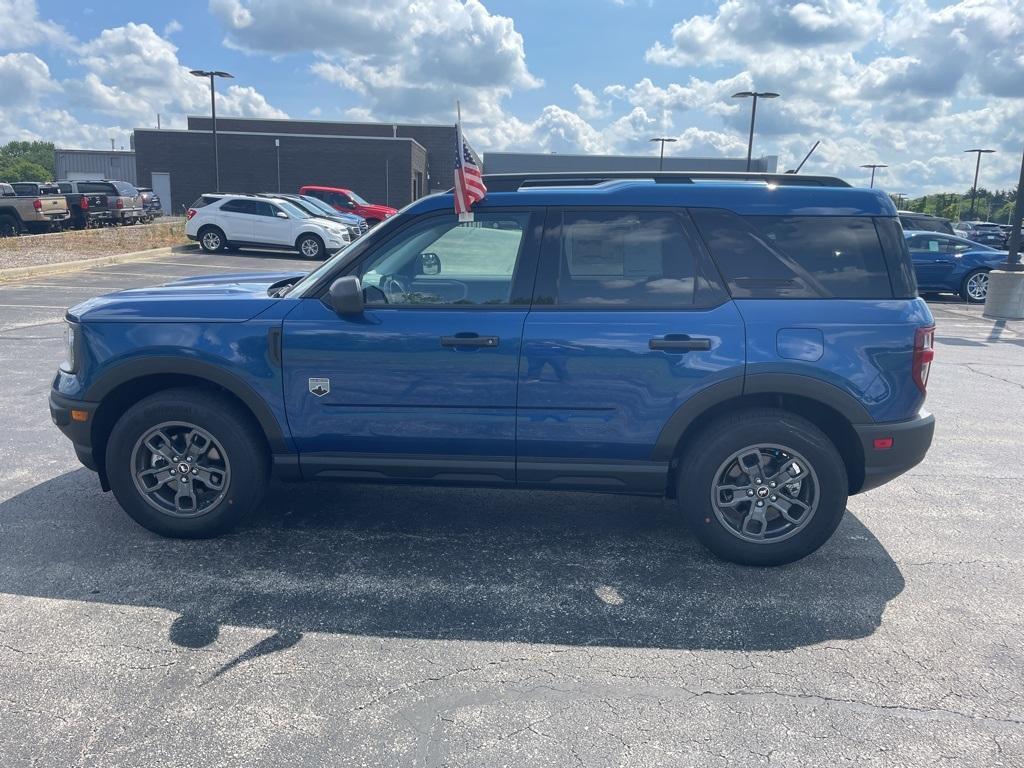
pixel 785 440
pixel 974 288
pixel 9 226
pixel 150 435
pixel 311 247
pixel 211 239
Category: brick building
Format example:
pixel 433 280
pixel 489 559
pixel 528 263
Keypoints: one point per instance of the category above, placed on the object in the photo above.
pixel 385 163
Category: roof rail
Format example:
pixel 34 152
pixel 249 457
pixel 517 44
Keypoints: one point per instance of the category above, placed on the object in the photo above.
pixel 512 182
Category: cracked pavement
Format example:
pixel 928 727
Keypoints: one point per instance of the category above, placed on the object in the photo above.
pixel 361 625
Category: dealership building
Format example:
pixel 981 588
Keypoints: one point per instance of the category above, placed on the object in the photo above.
pixel 389 163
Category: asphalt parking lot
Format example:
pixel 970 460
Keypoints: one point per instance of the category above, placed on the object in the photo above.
pixel 365 625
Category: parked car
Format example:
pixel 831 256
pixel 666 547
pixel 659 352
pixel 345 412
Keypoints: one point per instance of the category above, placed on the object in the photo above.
pixel 41 208
pixel 950 264
pixel 151 207
pixel 356 225
pixel 86 208
pixel 124 203
pixel 924 222
pixel 347 201
pixel 235 221
pixel 984 232
pixel 757 352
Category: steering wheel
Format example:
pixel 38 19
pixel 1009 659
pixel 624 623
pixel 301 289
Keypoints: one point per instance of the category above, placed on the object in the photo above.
pixel 394 291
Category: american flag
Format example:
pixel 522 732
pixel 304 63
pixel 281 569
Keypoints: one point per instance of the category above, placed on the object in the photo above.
pixel 469 183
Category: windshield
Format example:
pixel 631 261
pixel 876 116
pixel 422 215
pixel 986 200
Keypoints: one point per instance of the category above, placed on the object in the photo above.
pixel 357 199
pixel 293 210
pixel 320 205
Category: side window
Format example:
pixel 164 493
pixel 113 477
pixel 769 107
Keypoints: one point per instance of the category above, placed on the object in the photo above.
pixel 261 208
pixel 445 262
pixel 65 189
pixel 796 256
pixel 338 200
pixel 237 206
pixel 24 189
pixel 615 258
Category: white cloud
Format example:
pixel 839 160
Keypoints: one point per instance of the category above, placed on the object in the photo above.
pixel 590 105
pixel 24 79
pixel 21 27
pixel 405 59
pixel 172 27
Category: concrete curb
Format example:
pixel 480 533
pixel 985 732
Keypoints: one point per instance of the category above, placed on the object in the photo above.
pixel 60 267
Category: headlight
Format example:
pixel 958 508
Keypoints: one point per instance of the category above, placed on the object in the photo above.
pixel 72 342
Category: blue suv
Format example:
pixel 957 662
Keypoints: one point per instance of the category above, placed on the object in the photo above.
pixel 751 346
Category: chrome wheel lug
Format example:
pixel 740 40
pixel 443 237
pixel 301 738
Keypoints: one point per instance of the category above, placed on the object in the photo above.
pixel 774 498
pixel 196 472
pixel 760 503
pixel 174 471
pixel 757 480
pixel 750 493
pixel 772 484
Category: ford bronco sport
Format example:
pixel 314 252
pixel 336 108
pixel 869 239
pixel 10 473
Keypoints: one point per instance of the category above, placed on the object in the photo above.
pixel 751 346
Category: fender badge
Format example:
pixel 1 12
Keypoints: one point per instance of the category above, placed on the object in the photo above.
pixel 319 387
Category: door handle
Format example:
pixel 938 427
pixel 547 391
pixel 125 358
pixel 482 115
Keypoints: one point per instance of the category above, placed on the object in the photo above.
pixel 469 340
pixel 680 342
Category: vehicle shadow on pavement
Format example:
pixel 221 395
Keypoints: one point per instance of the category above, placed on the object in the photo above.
pixel 565 568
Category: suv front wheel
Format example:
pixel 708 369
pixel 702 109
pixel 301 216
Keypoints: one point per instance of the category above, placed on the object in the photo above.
pixel 762 487
pixel 187 463
pixel 311 247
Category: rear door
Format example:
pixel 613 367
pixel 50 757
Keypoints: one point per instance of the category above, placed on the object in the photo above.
pixel 235 217
pixel 422 385
pixel 628 322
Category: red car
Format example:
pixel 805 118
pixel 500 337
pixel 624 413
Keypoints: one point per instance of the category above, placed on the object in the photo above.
pixel 347 201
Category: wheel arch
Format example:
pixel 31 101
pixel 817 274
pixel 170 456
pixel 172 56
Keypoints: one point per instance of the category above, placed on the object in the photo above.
pixel 129 383
pixel 824 405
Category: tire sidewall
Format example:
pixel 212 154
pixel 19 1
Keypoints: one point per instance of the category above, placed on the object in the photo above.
pixel 245 483
pixel 701 466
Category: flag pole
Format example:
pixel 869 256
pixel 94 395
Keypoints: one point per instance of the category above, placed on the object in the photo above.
pixel 468 216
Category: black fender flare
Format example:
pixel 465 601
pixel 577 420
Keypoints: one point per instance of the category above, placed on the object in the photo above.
pixel 807 387
pixel 125 372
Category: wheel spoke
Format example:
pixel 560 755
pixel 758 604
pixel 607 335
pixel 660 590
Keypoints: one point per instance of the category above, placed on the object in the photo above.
pixel 211 478
pixel 154 478
pixel 752 464
pixel 757 516
pixel 161 445
pixel 197 444
pixel 785 507
pixel 185 498
pixel 740 493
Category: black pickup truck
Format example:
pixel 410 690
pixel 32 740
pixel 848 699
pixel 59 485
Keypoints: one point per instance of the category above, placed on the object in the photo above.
pixel 87 208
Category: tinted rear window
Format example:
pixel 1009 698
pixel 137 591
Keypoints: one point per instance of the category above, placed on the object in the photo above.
pixel 103 187
pixel 796 256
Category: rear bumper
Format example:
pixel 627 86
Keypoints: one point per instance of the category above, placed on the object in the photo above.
pixel 78 432
pixel 910 442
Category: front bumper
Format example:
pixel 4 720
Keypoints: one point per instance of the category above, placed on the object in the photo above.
pixel 910 441
pixel 79 432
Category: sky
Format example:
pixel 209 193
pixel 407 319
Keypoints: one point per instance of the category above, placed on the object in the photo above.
pixel 910 84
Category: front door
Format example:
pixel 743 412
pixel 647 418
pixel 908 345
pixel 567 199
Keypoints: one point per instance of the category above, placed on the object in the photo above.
pixel 628 322
pixel 934 259
pixel 422 385
pixel 269 228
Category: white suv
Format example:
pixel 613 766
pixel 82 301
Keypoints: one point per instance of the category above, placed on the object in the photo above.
pixel 232 221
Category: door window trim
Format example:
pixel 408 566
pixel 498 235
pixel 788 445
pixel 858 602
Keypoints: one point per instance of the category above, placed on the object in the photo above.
pixel 551 251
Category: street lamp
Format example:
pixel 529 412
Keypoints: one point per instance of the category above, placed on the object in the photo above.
pixel 753 113
pixel 874 167
pixel 213 117
pixel 977 167
pixel 661 157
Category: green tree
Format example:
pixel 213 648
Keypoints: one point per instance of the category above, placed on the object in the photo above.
pixel 23 170
pixel 38 152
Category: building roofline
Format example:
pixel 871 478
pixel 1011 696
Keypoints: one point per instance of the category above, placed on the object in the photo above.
pixel 328 122
pixel 94 151
pixel 618 157
pixel 280 135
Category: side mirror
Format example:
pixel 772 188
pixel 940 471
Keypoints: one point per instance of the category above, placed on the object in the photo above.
pixel 430 263
pixel 346 296
pixel 350 204
pixel 281 215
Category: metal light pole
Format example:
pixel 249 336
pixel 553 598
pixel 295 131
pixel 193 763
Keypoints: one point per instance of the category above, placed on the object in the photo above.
pixel 661 157
pixel 277 150
pixel 213 117
pixel 873 167
pixel 977 167
pixel 1013 246
pixel 753 114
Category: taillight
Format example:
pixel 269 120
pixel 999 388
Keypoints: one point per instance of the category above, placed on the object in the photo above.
pixel 924 353
pixel 37 204
pixel 191 212
pixel 119 203
pixel 85 203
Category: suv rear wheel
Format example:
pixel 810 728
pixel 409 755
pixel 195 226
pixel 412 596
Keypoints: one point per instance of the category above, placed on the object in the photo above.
pixel 187 463
pixel 762 487
pixel 975 287
pixel 211 239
